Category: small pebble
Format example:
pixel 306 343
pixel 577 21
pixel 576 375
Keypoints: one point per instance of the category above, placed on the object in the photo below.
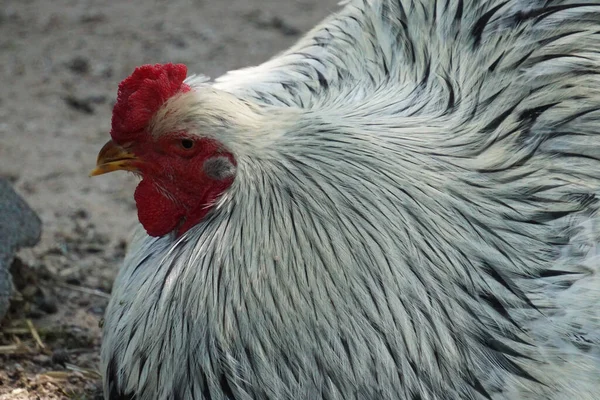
pixel 41 359
pixel 79 65
pixel 60 357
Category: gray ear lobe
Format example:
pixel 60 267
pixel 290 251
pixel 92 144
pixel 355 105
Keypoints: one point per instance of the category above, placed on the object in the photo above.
pixel 219 168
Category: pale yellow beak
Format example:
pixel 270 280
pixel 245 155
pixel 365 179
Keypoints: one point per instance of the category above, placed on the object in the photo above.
pixel 113 157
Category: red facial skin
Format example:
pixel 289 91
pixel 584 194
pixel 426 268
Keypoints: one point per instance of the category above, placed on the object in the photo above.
pixel 176 192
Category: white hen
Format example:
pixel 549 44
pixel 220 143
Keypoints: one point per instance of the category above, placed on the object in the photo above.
pixel 404 205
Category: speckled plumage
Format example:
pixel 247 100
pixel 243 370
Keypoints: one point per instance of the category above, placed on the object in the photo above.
pixel 414 216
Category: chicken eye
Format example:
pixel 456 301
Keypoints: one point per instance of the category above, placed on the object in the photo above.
pixel 187 143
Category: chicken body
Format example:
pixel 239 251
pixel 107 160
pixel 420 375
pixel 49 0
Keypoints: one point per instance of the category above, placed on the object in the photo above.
pixel 414 215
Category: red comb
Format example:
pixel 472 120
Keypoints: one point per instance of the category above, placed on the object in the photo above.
pixel 141 94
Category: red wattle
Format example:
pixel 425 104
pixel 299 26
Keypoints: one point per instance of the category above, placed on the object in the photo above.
pixel 158 214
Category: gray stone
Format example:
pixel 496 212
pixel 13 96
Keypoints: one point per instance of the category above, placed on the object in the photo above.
pixel 19 227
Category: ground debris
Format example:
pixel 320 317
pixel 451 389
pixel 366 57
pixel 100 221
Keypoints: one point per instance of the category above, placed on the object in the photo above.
pixel 50 356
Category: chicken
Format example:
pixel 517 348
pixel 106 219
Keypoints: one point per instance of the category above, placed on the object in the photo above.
pixel 403 205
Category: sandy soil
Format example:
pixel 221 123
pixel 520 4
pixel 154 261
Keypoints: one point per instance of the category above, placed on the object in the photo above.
pixel 60 63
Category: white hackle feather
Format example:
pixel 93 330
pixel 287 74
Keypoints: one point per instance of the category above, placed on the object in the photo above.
pixel 414 216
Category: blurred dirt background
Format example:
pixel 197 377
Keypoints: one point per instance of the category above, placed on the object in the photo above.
pixel 60 64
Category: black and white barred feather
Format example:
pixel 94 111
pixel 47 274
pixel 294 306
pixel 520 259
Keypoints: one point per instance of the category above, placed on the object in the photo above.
pixel 414 216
